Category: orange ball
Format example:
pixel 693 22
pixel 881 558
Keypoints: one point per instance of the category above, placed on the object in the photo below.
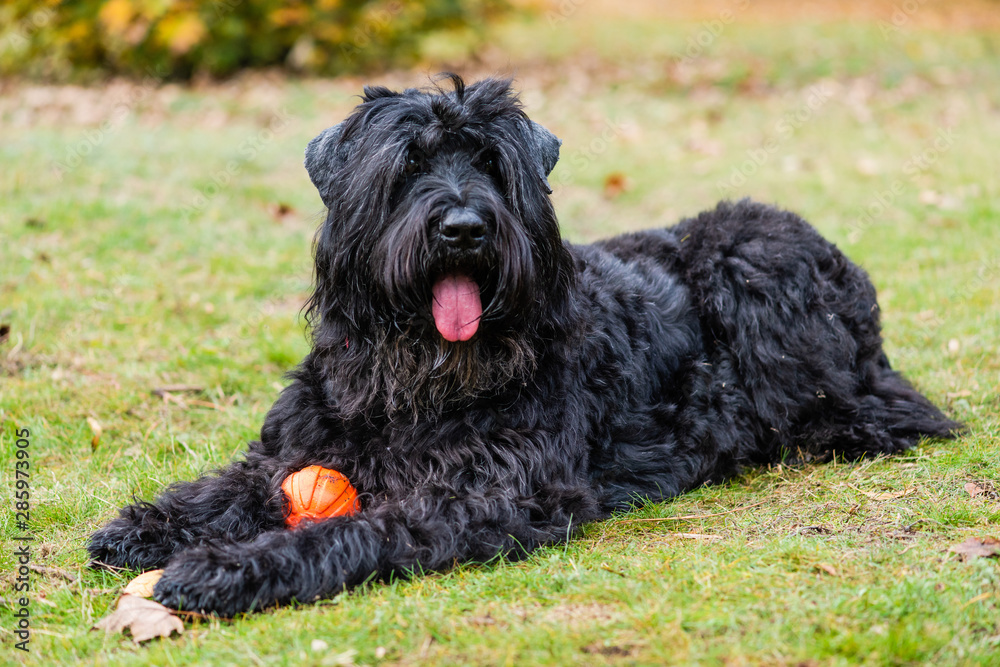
pixel 316 493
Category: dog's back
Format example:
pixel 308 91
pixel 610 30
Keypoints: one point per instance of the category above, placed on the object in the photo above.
pixel 790 328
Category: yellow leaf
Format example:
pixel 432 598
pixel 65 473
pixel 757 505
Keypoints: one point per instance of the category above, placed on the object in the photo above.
pixel 286 16
pixel 79 32
pixel 116 15
pixel 181 32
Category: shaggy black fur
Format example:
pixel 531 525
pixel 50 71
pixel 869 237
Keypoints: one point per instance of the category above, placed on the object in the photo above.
pixel 600 377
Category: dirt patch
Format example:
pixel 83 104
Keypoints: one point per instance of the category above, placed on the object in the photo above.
pixel 574 615
pixel 611 650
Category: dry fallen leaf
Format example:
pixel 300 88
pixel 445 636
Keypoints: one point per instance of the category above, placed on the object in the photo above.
pixel 95 428
pixel 829 569
pixel 983 489
pixel 977 547
pixel 280 211
pixel 142 586
pixel 144 619
pixel 974 489
pixel 615 184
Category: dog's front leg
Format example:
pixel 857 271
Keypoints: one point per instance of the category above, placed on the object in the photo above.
pixel 427 531
pixel 237 504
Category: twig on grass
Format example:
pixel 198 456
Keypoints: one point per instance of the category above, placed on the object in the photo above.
pixel 691 517
pixel 52 572
pixel 186 402
pixel 176 389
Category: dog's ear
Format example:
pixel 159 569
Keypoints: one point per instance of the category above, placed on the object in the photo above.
pixel 324 156
pixel 547 149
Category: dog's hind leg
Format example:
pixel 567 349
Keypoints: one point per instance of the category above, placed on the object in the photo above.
pixel 799 323
pixel 236 504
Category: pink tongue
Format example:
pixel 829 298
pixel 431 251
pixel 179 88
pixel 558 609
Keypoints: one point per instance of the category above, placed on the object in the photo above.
pixel 456 307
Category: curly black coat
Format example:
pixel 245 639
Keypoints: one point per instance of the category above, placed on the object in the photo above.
pixel 598 377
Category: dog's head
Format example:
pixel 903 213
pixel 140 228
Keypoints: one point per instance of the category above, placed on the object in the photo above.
pixel 439 233
pixel 438 211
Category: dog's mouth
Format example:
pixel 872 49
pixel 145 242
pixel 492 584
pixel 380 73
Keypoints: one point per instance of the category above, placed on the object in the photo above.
pixel 456 307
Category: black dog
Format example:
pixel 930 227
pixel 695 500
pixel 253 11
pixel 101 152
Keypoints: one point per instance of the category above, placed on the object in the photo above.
pixel 488 387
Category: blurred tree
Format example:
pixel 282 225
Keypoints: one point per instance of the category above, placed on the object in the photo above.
pixel 177 39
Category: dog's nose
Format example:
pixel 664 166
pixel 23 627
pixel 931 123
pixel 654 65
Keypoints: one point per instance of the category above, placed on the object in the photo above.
pixel 463 228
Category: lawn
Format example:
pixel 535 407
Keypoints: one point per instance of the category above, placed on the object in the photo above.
pixel 157 235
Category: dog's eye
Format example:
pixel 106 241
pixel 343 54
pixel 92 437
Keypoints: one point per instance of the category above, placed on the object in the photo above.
pixel 414 164
pixel 491 165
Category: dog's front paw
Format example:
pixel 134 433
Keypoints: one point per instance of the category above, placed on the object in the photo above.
pixel 215 580
pixel 127 543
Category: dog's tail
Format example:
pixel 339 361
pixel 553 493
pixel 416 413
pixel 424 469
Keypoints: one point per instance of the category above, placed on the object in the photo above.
pixel 908 414
pixel 888 416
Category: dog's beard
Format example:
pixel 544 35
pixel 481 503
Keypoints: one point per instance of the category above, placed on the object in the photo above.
pixel 400 375
pixel 430 377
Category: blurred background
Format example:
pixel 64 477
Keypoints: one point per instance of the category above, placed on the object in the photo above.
pixel 150 150
pixel 155 252
pixel 736 93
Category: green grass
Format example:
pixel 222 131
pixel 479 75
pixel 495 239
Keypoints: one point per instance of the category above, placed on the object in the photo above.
pixel 118 279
